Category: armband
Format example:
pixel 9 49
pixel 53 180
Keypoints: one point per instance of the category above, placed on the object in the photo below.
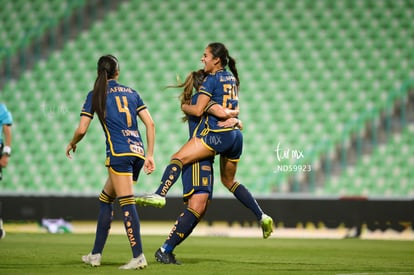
pixel 7 150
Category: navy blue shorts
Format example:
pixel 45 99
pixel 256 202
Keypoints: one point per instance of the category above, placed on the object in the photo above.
pixel 127 165
pixel 198 177
pixel 229 144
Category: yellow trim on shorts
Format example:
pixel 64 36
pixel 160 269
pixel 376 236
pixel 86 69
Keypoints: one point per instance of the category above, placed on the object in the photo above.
pixel 119 173
pixel 232 160
pixel 206 145
pixel 189 194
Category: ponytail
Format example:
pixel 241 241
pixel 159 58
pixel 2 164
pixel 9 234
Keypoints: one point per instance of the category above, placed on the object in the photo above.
pixel 99 95
pixel 107 68
pixel 233 69
pixel 192 82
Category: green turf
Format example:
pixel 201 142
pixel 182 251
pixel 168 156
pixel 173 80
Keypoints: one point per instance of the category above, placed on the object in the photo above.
pixel 22 253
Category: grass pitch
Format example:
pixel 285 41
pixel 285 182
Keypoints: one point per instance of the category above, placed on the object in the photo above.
pixel 22 253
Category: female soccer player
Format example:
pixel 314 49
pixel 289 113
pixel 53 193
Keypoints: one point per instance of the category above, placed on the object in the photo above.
pixel 197 177
pixel 117 107
pixel 219 87
pixel 6 122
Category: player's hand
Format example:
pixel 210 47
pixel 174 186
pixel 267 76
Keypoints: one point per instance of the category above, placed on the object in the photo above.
pixel 4 160
pixel 70 147
pixel 232 113
pixel 149 165
pixel 183 106
pixel 239 124
pixel 231 123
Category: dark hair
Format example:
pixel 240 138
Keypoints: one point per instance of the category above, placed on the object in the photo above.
pixel 219 50
pixel 107 68
pixel 192 83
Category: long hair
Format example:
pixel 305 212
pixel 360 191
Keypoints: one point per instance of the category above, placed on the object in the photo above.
pixel 192 83
pixel 219 50
pixel 107 67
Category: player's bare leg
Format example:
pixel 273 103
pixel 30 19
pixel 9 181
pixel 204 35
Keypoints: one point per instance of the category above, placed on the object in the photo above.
pixel 193 150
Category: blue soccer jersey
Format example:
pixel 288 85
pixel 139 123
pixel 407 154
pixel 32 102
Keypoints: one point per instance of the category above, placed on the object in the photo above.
pixel 222 88
pixel 122 135
pixel 5 119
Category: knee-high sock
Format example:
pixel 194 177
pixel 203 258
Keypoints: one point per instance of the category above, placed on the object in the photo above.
pixel 104 222
pixel 246 198
pixel 171 174
pixel 182 228
pixel 131 223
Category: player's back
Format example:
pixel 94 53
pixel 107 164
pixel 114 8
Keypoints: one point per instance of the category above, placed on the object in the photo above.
pixel 122 107
pixel 195 124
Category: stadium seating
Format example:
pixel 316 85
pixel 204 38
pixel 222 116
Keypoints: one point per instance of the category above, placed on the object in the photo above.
pixel 385 172
pixel 307 69
pixel 22 21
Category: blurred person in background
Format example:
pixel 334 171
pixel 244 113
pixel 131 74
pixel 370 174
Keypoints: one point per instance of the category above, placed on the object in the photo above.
pixel 6 122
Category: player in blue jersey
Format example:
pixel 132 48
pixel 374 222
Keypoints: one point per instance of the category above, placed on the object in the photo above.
pixel 6 122
pixel 197 177
pixel 219 87
pixel 118 107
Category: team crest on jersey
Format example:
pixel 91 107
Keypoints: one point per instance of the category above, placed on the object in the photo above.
pixel 205 181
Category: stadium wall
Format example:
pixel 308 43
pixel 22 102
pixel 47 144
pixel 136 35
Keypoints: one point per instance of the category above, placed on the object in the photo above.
pixel 350 212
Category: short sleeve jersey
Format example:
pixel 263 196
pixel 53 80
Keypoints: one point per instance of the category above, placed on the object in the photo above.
pixel 5 119
pixel 222 88
pixel 121 127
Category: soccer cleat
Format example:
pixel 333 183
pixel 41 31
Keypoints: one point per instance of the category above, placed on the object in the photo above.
pixel 267 226
pixel 56 225
pixel 154 200
pixel 92 259
pixel 136 263
pixel 2 231
pixel 165 258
